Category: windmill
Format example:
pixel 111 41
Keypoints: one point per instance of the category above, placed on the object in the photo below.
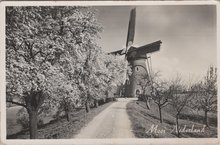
pixel 136 57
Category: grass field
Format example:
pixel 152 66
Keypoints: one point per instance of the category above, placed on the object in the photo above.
pixel 146 123
pixel 11 120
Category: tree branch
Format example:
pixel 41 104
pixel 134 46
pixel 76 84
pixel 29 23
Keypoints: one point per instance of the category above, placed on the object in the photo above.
pixel 25 58
pixel 166 101
pixel 17 103
pixel 37 53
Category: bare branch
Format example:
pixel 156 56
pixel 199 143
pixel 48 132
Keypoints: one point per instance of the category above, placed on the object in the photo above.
pixel 16 103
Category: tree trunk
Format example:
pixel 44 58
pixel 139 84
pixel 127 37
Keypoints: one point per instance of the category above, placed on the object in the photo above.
pixel 206 118
pixel 160 112
pixel 68 116
pixel 147 103
pixel 87 106
pixel 96 103
pixel 33 119
pixel 33 103
pixel 177 125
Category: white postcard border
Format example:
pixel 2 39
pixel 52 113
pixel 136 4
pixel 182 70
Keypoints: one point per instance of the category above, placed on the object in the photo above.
pixel 3 140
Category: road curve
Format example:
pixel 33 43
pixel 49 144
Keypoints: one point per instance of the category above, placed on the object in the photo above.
pixel 113 122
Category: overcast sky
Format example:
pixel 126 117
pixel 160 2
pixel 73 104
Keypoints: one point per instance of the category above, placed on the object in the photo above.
pixel 188 35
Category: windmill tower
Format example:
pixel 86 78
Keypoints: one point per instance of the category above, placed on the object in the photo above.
pixel 136 58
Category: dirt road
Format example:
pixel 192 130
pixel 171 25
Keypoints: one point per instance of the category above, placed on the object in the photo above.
pixel 113 122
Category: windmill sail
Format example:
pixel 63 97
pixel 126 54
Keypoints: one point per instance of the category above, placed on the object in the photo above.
pixel 149 48
pixel 119 52
pixel 131 30
pixel 149 67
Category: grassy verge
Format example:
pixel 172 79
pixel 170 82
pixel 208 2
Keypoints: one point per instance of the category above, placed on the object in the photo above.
pixel 61 128
pixel 145 123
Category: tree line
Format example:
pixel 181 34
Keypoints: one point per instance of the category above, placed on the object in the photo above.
pixel 200 95
pixel 53 61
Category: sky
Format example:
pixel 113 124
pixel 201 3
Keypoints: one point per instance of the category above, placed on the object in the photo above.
pixel 187 32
